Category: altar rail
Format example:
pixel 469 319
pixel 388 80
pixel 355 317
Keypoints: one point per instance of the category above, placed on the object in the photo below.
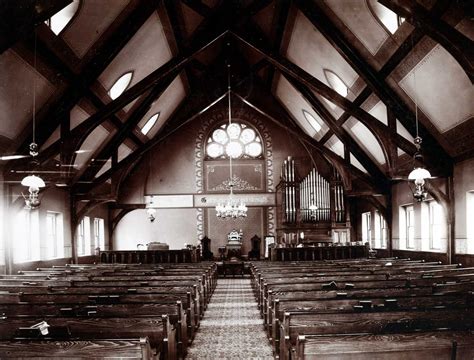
pixel 149 256
pixel 318 253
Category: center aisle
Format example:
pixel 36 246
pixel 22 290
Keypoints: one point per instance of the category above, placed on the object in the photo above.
pixel 231 327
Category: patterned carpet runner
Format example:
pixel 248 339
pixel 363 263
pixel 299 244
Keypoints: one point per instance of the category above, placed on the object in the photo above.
pixel 232 327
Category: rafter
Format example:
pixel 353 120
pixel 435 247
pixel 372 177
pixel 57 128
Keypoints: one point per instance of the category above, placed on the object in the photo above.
pixel 183 117
pixel 456 43
pixel 32 13
pixel 390 65
pixel 282 9
pixel 52 118
pixel 199 7
pixel 112 145
pixel 116 122
pixel 314 13
pixel 274 110
pixel 80 133
pixel 196 105
pixel 340 132
pixel 307 79
pixel 346 170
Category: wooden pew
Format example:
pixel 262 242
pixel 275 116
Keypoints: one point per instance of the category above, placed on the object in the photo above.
pixel 399 303
pixel 319 323
pixel 175 313
pixel 190 293
pixel 158 330
pixel 74 349
pixel 420 346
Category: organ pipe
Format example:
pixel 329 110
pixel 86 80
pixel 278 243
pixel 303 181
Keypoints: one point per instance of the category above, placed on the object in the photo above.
pixel 300 196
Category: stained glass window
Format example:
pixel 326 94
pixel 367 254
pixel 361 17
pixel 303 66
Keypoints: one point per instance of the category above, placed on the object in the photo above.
pixel 235 140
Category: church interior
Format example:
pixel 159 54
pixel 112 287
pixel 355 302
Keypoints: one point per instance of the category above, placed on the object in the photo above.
pixel 213 179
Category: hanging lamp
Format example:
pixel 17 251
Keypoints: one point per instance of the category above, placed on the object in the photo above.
pixel 33 182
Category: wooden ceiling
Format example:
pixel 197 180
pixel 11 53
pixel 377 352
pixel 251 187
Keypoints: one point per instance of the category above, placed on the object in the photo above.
pixel 280 52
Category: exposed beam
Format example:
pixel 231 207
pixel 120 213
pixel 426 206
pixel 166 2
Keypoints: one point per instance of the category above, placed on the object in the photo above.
pixel 378 85
pixel 282 9
pixel 31 13
pixel 51 119
pixel 256 6
pixel 340 132
pixel 116 122
pixel 80 133
pixel 199 7
pixel 307 79
pixel 260 99
pixel 346 170
pixel 184 116
pixel 395 60
pixel 112 145
pixel 456 43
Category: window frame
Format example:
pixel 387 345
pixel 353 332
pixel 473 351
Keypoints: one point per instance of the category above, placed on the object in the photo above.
pixel 469 222
pixel 55 247
pixel 245 156
pixel 27 227
pixel 373 12
pixel 83 247
pixel 132 73
pixel 99 233
pixel 71 20
pixel 367 227
pixel 410 228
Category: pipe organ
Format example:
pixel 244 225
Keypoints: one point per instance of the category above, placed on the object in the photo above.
pixel 289 190
pixel 339 209
pixel 311 209
pixel 315 203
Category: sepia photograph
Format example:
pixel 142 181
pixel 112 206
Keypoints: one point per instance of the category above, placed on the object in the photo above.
pixel 237 179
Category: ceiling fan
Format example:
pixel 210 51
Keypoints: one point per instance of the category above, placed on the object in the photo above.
pixel 33 151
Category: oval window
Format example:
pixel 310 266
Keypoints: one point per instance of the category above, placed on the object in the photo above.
pixel 120 85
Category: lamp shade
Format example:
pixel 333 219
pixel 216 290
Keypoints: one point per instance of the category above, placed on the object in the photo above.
pixel 419 173
pixel 33 181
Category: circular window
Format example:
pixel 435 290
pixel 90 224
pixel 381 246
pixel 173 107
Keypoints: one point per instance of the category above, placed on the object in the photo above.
pixel 235 140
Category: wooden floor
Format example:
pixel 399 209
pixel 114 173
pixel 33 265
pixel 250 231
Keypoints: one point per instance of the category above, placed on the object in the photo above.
pixel 232 327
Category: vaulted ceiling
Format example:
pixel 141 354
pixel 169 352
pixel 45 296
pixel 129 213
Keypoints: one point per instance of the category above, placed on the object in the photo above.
pixel 331 72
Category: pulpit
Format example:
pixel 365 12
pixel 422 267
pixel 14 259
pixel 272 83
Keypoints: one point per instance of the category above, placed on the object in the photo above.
pixel 234 244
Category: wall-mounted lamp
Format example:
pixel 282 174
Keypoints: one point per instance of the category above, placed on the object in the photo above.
pixel 150 210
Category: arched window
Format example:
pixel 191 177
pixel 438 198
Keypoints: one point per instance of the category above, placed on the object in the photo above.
pixel 336 82
pixel 120 85
pixel 312 121
pixel 59 21
pixel 390 20
pixel 236 140
pixel 150 123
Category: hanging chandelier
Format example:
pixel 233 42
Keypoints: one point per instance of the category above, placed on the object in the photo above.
pixel 33 182
pixel 419 174
pixel 231 209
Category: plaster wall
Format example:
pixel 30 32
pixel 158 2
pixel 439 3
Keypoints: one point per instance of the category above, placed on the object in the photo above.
pixel 52 200
pixel 170 168
pixel 463 180
pixel 402 196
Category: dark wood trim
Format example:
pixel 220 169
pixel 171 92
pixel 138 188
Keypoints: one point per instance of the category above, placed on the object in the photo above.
pixel 376 82
pixel 456 43
pixel 341 133
pixel 199 7
pixel 31 13
pixel 88 172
